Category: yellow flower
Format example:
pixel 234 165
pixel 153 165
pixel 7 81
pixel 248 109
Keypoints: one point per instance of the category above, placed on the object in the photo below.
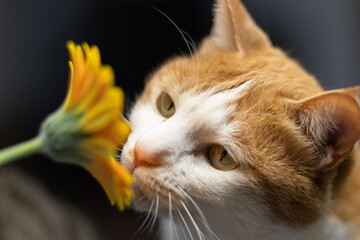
pixel 88 128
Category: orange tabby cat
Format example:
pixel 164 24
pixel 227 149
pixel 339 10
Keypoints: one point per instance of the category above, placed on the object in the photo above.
pixel 239 142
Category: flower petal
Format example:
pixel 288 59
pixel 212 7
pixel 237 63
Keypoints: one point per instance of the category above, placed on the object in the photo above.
pixel 114 178
pixel 116 132
pixel 104 81
pixel 78 62
pixel 102 113
pixel 97 146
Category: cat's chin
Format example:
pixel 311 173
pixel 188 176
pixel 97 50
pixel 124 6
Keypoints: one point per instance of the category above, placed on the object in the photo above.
pixel 143 203
pixel 151 191
pixel 140 200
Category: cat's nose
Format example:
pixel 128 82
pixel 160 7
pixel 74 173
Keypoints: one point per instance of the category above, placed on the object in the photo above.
pixel 145 155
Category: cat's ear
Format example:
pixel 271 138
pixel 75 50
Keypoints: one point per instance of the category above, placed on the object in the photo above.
pixel 235 30
pixel 332 120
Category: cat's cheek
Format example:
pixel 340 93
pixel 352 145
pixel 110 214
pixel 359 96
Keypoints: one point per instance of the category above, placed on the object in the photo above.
pixel 127 160
pixel 139 200
pixel 144 190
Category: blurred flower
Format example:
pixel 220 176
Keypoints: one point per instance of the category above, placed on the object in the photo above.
pixel 88 128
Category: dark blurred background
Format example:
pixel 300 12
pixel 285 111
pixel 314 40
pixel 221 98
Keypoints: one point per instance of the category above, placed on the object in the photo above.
pixel 323 35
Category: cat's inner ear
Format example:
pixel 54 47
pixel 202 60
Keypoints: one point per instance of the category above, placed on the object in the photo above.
pixel 332 120
pixel 235 30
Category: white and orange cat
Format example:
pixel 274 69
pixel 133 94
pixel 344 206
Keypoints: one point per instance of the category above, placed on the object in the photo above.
pixel 238 142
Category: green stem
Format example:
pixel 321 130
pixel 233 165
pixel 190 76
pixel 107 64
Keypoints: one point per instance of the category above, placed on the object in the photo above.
pixel 21 150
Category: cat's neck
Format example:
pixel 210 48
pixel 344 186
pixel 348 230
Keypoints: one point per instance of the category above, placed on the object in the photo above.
pixel 326 228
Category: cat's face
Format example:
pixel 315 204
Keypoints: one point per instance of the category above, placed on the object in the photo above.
pixel 218 100
pixel 224 129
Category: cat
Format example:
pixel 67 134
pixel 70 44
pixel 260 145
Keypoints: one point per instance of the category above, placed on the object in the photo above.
pixel 238 141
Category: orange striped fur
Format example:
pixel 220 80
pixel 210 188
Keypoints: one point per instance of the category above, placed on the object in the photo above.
pixel 293 141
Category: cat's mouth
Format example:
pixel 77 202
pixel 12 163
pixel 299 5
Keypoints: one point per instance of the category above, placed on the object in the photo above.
pixel 153 189
pixel 156 187
pixel 152 195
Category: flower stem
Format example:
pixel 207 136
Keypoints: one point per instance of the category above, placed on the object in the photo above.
pixel 21 150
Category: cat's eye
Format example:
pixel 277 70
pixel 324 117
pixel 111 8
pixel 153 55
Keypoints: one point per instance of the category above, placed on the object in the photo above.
pixel 220 158
pixel 165 105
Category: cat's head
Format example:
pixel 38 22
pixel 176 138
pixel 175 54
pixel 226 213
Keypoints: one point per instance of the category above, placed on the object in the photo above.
pixel 240 129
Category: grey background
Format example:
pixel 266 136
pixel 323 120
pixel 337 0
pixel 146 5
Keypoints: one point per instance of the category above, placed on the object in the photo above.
pixel 323 35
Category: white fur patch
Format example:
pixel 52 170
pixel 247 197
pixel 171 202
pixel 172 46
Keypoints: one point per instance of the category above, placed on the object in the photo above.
pixel 193 111
pixel 191 171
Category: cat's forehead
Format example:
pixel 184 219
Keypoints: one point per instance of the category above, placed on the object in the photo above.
pixel 202 85
pixel 218 88
pixel 212 108
pixel 202 74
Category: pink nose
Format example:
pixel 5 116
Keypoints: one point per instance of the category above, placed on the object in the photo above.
pixel 147 156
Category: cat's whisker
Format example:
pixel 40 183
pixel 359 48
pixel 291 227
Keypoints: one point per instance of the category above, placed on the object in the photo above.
pixel 186 226
pixel 155 214
pixel 171 217
pixel 126 121
pixel 201 214
pixel 198 231
pixel 142 226
pixel 190 45
pixel 193 60
pixel 117 156
pixel 208 229
pixel 196 52
pixel 150 222
pixel 182 53
pixel 180 223
pixel 207 197
pixel 142 197
pixel 157 234
pixel 182 35
pixel 191 42
pixel 141 216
